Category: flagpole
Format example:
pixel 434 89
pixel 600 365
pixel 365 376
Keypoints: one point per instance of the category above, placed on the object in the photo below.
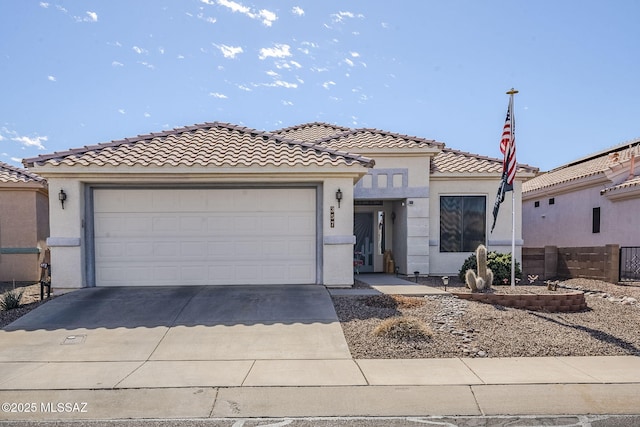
pixel 511 93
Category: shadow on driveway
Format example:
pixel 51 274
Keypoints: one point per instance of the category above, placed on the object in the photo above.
pixel 132 307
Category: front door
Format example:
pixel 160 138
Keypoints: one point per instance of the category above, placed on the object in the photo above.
pixel 364 248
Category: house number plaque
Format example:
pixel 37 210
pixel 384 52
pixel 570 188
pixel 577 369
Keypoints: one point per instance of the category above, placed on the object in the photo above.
pixel 332 216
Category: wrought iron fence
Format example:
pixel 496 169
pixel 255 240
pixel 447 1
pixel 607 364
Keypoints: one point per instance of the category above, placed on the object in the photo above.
pixel 630 263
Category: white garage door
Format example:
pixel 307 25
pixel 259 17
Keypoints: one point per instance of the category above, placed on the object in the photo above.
pixel 157 237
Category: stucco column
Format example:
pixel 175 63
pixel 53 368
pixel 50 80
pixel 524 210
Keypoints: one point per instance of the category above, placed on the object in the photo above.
pixel 337 233
pixel 417 235
pixel 66 230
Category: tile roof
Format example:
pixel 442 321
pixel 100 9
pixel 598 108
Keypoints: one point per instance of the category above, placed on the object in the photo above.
pixel 208 144
pixel 633 181
pixel 12 174
pixel 454 161
pixel 338 137
pixel 594 164
pixel 311 131
pixel 446 161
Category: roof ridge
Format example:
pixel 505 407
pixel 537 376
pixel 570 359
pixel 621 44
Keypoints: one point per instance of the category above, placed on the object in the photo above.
pixel 22 171
pixel 305 125
pixel 597 154
pixel 401 135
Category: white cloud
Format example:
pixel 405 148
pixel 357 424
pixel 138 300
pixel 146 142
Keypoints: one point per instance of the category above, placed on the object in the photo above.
pixel 180 56
pixel 147 114
pixel 51 78
pixel 341 16
pixel 287 103
pixel 266 16
pixel 327 85
pixel 354 54
pixel 287 65
pixel 272 73
pixel 121 111
pixel 117 64
pixel 139 50
pixel 36 141
pixel 384 25
pixel 229 51
pixel 211 20
pixel 16 159
pixel 284 84
pixel 44 4
pixel 218 95
pixel 244 88
pixel 148 65
pixel 209 2
pixel 235 7
pixel 278 51
pixel 92 16
pixel 297 11
pixel 161 50
pixel 349 62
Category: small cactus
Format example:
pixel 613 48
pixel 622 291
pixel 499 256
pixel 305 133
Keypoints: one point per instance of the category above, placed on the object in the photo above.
pixel 484 278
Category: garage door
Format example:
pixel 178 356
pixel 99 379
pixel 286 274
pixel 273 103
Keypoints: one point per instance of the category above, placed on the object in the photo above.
pixel 157 237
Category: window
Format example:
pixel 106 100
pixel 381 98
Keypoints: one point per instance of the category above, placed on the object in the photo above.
pixel 536 204
pixel 552 201
pixel 595 226
pixel 462 223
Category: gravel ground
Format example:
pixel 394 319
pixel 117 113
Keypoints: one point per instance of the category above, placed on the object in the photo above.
pixel 610 326
pixel 30 300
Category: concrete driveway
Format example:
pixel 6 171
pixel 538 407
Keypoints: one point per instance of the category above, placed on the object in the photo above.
pixel 179 323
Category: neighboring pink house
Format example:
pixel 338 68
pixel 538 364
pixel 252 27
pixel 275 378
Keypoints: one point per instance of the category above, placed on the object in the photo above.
pixel 24 224
pixel 593 201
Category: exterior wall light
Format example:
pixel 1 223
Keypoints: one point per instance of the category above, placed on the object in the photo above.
pixel 339 196
pixel 62 196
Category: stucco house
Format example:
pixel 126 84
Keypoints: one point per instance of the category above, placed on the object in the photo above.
pixel 593 201
pixel 216 203
pixel 24 224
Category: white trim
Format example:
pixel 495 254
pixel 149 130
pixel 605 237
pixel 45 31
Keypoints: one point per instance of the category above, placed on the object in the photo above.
pixel 339 240
pixel 63 241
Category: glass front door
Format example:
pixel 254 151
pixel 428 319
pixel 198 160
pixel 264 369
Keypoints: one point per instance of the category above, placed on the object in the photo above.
pixel 365 247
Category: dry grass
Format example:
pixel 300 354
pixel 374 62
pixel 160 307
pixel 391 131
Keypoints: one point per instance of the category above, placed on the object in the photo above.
pixel 403 328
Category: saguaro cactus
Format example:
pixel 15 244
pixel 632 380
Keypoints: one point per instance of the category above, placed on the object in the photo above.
pixel 484 278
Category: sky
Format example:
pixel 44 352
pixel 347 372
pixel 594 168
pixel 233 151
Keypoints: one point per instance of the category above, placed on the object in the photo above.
pixel 78 73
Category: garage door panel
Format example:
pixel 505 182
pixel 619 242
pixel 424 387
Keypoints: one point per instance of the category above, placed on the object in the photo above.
pixel 199 237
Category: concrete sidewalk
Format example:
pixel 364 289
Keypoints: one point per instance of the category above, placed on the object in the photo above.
pixel 388 284
pixel 330 387
pixel 266 352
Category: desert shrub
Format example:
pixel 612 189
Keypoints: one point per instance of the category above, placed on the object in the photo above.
pixel 403 328
pixel 10 300
pixel 500 265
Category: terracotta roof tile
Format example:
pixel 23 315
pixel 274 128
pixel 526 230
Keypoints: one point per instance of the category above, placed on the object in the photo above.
pixel 454 161
pixel 208 144
pixel 342 138
pixel 591 165
pixel 311 131
pixel 12 174
pixel 633 181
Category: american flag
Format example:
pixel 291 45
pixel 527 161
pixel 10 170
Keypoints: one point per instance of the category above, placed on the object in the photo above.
pixel 508 148
pixel 508 145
